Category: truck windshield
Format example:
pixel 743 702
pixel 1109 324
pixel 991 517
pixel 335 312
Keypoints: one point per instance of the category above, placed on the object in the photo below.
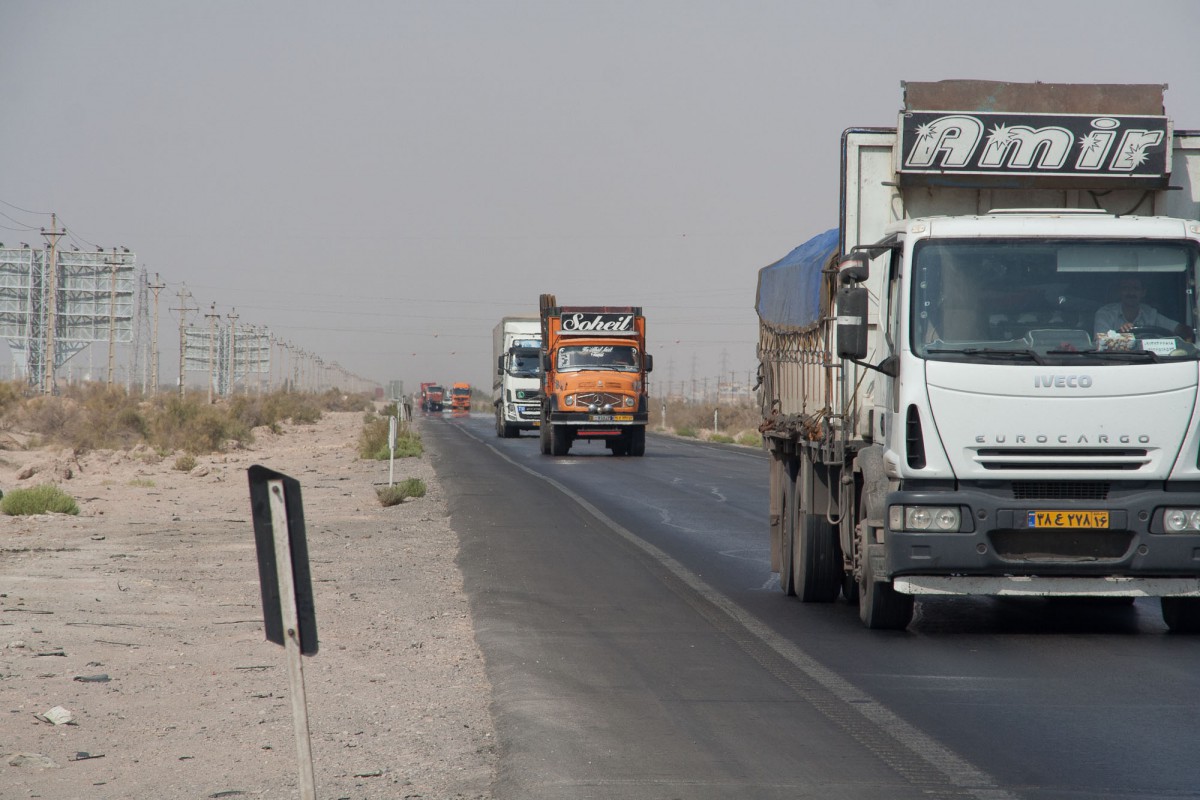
pixel 524 362
pixel 622 358
pixel 1044 301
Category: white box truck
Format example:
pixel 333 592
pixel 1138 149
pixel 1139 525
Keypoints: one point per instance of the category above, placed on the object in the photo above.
pixel 517 384
pixel 984 381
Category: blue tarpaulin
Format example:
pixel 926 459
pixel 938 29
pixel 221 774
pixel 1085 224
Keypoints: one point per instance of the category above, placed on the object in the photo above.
pixel 789 291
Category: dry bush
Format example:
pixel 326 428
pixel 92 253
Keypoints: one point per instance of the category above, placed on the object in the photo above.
pixel 43 499
pixel 190 424
pixel 399 492
pixel 95 416
pixel 337 400
pixel 735 423
pixel 373 439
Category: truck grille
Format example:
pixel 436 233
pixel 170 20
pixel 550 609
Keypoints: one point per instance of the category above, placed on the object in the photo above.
pixel 1076 545
pixel 1062 458
pixel 1060 490
pixel 598 399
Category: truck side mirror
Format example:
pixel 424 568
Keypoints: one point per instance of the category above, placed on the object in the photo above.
pixel 500 365
pixel 649 362
pixel 854 268
pixel 852 322
pixel 545 361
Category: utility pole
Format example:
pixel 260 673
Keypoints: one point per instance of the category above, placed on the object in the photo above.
pixel 212 316
pixel 154 287
pixel 52 303
pixel 233 318
pixel 112 318
pixel 184 308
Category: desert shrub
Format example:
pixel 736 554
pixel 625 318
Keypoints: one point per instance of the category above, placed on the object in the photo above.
pixel 189 423
pixel 142 483
pixel 720 438
pixel 43 499
pixel 399 492
pixel 185 463
pixel 750 439
pixel 373 439
pixel 337 400
pixel 44 416
pixel 12 393
pixel 687 431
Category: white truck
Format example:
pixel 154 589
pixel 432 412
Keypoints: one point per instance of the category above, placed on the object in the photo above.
pixel 984 381
pixel 517 384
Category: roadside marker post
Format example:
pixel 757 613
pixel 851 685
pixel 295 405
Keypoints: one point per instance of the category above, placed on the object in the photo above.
pixel 288 613
pixel 391 450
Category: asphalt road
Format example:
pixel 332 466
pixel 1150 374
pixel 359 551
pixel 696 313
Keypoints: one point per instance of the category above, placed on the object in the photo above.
pixel 639 647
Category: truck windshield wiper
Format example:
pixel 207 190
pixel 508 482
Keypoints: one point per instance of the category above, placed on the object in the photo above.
pixel 992 352
pixel 1113 355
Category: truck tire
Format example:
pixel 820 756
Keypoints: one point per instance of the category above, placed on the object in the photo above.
pixel 511 431
pixel 544 436
pixel 1182 614
pixel 560 440
pixel 787 544
pixel 620 445
pixel 880 606
pixel 637 441
pixel 817 560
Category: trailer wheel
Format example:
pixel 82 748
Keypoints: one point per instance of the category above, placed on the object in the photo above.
pixel 787 533
pixel 1182 614
pixel 560 440
pixel 880 606
pixel 817 562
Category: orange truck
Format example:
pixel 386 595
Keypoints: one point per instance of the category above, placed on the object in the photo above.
pixel 460 397
pixel 431 396
pixel 594 367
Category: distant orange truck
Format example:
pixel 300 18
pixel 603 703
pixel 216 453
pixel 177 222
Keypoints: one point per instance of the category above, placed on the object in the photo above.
pixel 594 366
pixel 460 397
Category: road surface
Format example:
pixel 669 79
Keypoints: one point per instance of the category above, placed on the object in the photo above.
pixel 639 647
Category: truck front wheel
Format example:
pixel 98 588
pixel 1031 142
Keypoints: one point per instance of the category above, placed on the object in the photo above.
pixel 1182 614
pixel 880 606
pixel 560 440
pixel 637 441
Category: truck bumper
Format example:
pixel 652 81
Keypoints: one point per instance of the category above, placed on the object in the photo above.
pixel 523 416
pixel 1001 550
pixel 599 425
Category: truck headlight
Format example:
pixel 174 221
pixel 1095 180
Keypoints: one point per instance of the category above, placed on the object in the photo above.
pixel 1181 520
pixel 942 519
pixel 628 401
pixel 569 400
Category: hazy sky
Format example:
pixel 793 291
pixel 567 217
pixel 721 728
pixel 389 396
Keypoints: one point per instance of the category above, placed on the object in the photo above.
pixel 379 182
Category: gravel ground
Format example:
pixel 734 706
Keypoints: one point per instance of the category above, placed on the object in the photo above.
pixel 141 619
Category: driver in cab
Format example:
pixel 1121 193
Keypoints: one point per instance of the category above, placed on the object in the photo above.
pixel 1130 313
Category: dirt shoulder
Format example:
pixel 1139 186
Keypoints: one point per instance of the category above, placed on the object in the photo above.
pixel 142 618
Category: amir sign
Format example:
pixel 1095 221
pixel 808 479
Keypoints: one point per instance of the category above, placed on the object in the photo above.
pixel 1002 149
